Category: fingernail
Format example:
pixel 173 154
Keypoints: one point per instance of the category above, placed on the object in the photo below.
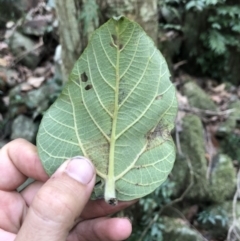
pixel 80 169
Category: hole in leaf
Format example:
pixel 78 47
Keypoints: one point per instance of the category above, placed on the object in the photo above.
pixel 120 46
pixel 84 77
pixel 114 37
pixel 88 87
pixel 159 97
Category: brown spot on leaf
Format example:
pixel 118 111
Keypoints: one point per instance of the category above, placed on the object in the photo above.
pixel 114 37
pixel 159 97
pixel 88 87
pixel 84 77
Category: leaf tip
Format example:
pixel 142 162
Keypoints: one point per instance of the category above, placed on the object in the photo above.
pixel 117 18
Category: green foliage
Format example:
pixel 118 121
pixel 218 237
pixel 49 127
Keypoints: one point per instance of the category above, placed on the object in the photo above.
pixel 150 206
pixel 89 16
pixel 207 216
pixel 117 109
pixel 211 30
pixel 9 10
pixel 230 145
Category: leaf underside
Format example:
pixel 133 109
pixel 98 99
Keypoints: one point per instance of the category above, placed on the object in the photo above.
pixel 117 109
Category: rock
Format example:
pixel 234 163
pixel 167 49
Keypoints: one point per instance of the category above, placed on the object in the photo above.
pixel 25 49
pixel 222 181
pixel 197 97
pixel 24 127
pixel 177 229
pixel 38 25
pixel 16 96
pixel 229 125
pixel 37 96
pixel 192 144
pixel 8 78
pixel 36 99
pixel 12 77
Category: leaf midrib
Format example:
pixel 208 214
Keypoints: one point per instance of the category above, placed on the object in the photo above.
pixel 115 114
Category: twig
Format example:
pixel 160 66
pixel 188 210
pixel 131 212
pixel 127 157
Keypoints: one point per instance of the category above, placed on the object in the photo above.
pixel 206 112
pixel 178 140
pixel 188 188
pixel 177 65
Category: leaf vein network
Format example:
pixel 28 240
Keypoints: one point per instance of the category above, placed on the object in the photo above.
pixel 60 123
pixel 138 82
pixel 140 116
pixel 104 50
pixel 75 125
pixel 58 138
pixel 104 79
pixel 133 57
pixel 94 88
pixel 89 113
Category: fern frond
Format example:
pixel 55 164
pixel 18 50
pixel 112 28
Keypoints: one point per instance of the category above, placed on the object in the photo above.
pixel 216 42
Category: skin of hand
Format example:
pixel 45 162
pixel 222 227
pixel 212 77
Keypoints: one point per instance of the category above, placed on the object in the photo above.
pixel 56 208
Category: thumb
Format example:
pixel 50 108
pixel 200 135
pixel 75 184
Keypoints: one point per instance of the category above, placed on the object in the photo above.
pixel 59 202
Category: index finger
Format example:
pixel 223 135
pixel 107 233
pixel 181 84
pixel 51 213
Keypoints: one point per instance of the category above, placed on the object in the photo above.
pixel 18 161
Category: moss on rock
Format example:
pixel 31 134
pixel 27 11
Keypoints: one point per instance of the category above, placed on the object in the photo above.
pixel 229 125
pixel 192 144
pixel 197 97
pixel 222 181
pixel 177 229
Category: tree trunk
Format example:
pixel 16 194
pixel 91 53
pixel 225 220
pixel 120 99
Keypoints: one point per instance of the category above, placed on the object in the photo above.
pixel 69 33
pixel 79 18
pixel 143 12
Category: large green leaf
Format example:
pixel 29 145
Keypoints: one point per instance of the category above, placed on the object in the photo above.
pixel 117 109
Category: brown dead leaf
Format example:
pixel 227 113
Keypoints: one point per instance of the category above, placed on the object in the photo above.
pixel 3 45
pixel 225 94
pixel 219 88
pixel 3 62
pixel 40 71
pixel 216 98
pixel 35 81
pixel 6 100
pixel 26 87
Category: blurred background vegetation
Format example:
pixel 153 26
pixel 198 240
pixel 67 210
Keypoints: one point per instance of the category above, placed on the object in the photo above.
pixel 200 39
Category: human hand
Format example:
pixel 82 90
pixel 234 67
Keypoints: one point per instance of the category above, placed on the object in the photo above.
pixel 55 208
